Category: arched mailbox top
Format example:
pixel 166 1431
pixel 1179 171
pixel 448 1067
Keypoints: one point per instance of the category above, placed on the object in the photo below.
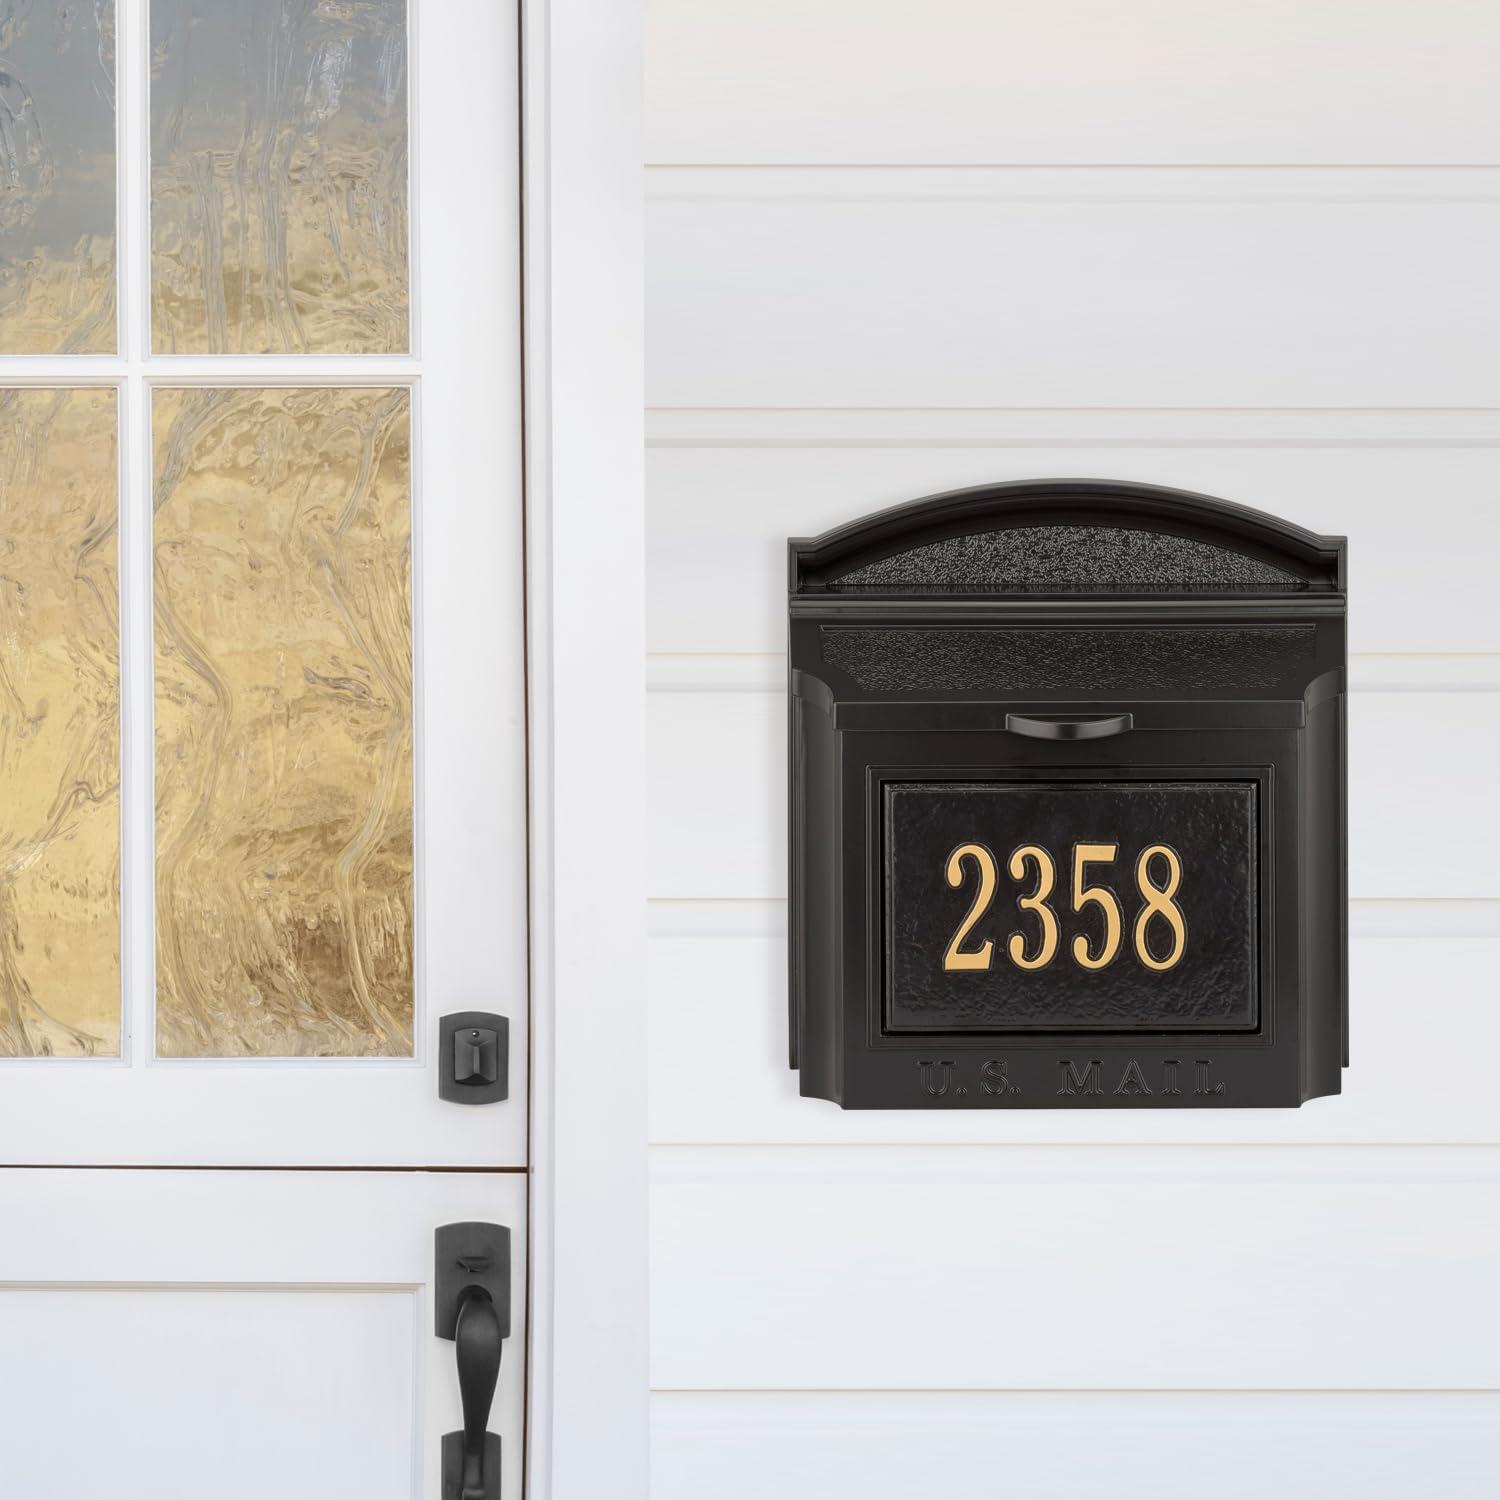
pixel 1067 536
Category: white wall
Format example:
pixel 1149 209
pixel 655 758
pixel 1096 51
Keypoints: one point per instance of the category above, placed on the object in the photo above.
pixel 897 246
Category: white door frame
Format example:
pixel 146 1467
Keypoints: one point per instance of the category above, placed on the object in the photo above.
pixel 584 394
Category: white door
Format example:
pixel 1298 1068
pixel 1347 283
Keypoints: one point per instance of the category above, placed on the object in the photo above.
pixel 168 1335
pixel 262 734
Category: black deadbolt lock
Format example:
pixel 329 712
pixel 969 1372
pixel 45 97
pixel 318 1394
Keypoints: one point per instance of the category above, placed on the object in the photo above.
pixel 473 1057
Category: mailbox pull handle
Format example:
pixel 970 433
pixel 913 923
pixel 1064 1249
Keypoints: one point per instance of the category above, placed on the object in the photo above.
pixel 1047 727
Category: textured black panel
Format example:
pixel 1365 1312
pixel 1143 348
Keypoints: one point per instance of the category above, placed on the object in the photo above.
pixel 1212 827
pixel 1187 658
pixel 1068 560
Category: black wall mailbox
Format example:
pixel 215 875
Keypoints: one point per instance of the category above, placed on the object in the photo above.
pixel 1067 803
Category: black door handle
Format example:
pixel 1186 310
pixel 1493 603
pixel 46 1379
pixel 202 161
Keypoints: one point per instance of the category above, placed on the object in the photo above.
pixel 479 1342
pixel 471 1296
pixel 1071 727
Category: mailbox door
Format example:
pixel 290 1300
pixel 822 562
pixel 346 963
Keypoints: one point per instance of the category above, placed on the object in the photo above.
pixel 1105 922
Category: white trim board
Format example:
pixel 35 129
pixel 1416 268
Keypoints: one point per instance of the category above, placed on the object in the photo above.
pixel 581 109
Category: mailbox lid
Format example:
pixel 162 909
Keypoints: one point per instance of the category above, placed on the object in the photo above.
pixel 1068 590
pixel 1066 538
pixel 1067 659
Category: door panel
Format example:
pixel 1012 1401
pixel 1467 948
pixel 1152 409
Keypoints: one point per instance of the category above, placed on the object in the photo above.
pixel 243 1334
pixel 265 769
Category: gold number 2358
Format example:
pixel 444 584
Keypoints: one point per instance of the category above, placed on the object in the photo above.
pixel 1034 861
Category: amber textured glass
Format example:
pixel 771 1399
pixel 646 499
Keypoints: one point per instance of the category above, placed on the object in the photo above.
pixel 59 725
pixel 278 176
pixel 282 549
pixel 57 177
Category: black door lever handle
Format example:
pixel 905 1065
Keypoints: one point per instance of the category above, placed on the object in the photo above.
pixel 471 1296
pixel 479 1341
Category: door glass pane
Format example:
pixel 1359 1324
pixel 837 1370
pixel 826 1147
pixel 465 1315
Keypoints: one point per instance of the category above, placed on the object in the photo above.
pixel 57 177
pixel 282 550
pixel 59 725
pixel 278 176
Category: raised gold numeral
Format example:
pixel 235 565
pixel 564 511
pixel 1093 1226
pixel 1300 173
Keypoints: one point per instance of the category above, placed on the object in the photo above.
pixel 1046 874
pixel 976 958
pixel 1101 896
pixel 1159 902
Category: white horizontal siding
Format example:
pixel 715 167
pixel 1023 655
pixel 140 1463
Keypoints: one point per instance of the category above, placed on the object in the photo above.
pixel 1424 818
pixel 1414 492
pixel 1075 1446
pixel 1096 287
pixel 900 248
pixel 719 1074
pixel 1131 1268
pixel 1309 81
